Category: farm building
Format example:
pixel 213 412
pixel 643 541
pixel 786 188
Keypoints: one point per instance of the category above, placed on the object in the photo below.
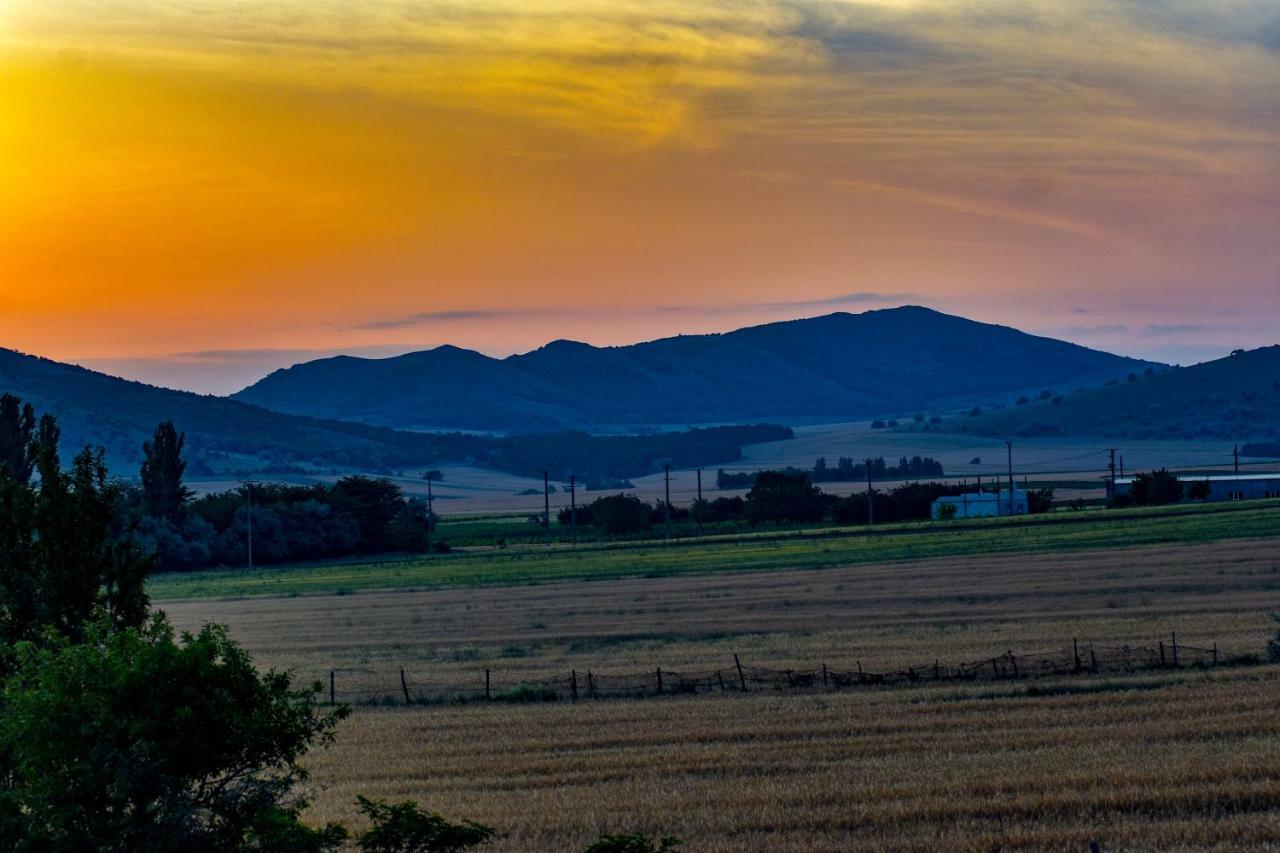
pixel 980 505
pixel 1222 487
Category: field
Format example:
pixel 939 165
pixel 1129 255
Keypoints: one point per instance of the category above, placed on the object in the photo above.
pixel 1170 758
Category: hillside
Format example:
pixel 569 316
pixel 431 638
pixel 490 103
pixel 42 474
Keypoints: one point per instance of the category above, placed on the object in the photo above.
pixel 1233 398
pixel 838 366
pixel 227 436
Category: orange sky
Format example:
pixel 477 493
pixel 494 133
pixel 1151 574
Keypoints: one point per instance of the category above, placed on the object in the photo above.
pixel 195 193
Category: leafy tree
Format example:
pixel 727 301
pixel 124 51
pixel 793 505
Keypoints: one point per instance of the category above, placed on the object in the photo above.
pixel 1156 488
pixel 633 842
pixel 1039 501
pixel 620 514
pixel 782 496
pixel 63 556
pixel 374 504
pixel 162 470
pixel 134 740
pixel 405 828
pixel 17 436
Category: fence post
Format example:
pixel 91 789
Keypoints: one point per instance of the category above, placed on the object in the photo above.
pixel 591 685
pixel 995 667
pixel 720 678
pixel 861 677
pixel 742 679
pixel 404 687
pixel 1162 661
pixel 659 680
pixel 824 675
pixel 488 697
pixel 935 669
pixel 1215 652
pixel 1174 637
pixel 333 693
pixel 1093 658
pixel 573 685
pixel 1013 660
pixel 1075 650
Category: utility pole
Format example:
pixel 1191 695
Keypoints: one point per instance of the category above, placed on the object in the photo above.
pixel 1111 483
pixel 699 485
pixel 1122 465
pixel 546 504
pixel 871 498
pixel 248 490
pixel 573 506
pixel 430 476
pixel 666 509
pixel 1236 452
pixel 1012 486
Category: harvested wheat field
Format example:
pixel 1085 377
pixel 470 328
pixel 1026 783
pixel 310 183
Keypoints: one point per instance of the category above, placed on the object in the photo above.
pixel 1138 763
pixel 1170 758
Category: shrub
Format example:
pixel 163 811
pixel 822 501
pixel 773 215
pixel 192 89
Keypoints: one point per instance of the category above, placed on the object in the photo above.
pixel 878 424
pixel 405 828
pixel 633 842
pixel 1273 645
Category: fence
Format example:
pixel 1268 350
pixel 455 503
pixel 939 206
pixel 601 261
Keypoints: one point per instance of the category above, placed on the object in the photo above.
pixel 369 688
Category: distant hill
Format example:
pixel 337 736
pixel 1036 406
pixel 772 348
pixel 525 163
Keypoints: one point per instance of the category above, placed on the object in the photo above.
pixel 839 366
pixel 1233 398
pixel 227 436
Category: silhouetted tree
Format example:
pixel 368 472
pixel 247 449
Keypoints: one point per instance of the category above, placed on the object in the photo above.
pixel 17 435
pixel 162 470
pixel 782 496
pixel 1156 488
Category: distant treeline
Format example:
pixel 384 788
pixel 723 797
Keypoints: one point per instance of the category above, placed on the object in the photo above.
pixel 845 471
pixel 775 497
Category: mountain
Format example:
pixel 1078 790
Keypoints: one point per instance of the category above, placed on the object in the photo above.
pixel 225 436
pixel 1232 398
pixel 837 366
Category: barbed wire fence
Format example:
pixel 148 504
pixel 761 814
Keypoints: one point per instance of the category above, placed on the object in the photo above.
pixel 366 687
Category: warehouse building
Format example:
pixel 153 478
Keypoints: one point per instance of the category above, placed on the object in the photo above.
pixel 1221 487
pixel 980 504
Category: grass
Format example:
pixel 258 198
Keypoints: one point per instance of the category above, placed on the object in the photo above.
pixel 763 550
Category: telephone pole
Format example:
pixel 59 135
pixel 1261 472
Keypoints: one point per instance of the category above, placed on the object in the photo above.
pixel 1122 465
pixel 248 490
pixel 699 485
pixel 1111 482
pixel 1012 486
pixel 1236 452
pixel 573 506
pixel 546 504
pixel 871 498
pixel 430 476
pixel 666 509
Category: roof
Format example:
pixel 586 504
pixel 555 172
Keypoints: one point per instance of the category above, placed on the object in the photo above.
pixel 976 497
pixel 1212 478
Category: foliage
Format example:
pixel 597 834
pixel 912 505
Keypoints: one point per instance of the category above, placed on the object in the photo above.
pixel 63 554
pixel 1200 490
pixel 405 828
pixel 846 470
pixel 1157 488
pixel 17 437
pixel 613 514
pixel 162 470
pixel 1273 644
pixel 1039 501
pixel 780 496
pixel 633 842
pixel 135 740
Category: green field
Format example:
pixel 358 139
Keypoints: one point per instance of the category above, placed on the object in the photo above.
pixel 766 549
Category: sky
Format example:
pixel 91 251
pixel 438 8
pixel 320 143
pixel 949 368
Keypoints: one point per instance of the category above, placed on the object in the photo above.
pixel 195 192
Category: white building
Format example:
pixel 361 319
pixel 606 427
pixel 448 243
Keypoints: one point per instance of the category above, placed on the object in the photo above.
pixel 981 504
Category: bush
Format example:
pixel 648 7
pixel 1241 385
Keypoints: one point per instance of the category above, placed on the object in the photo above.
pixel 633 842
pixel 405 828
pixel 1157 488
pixel 878 424
pixel 1273 645
pixel 134 740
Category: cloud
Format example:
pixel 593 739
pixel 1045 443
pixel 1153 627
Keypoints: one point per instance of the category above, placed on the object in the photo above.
pixel 841 300
pixel 427 318
pixel 1160 329
pixel 1088 331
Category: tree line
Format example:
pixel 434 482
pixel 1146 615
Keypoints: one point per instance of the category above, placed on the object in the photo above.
pixel 846 470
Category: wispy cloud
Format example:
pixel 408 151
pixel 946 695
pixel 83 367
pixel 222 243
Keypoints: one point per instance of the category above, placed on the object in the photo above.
pixel 1160 329
pixel 428 318
pixel 858 298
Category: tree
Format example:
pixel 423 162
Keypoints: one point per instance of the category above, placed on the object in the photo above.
pixel 17 435
pixel 405 828
pixel 620 514
pixel 782 496
pixel 1156 488
pixel 63 554
pixel 162 470
pixel 1273 644
pixel 135 740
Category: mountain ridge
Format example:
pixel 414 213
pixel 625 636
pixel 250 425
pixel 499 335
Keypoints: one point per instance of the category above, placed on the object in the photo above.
pixel 838 366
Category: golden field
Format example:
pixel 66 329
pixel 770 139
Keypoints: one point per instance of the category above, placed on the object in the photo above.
pixel 1163 759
